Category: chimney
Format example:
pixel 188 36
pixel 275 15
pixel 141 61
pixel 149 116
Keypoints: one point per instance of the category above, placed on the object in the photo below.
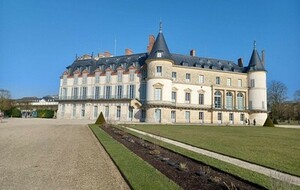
pixel 128 51
pixel 151 43
pixel 107 54
pixel 240 62
pixel 193 53
pixel 263 57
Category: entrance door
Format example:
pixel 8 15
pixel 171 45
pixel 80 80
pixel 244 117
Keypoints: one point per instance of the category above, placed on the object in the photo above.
pixel 158 115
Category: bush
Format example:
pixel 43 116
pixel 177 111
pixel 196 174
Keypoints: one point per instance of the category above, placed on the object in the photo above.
pixel 268 122
pixel 15 112
pixel 45 113
pixel 100 120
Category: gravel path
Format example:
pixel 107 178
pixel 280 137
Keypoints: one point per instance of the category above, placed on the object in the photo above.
pixel 253 167
pixel 54 154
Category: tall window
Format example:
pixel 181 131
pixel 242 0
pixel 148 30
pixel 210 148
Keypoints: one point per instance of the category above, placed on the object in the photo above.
pixel 82 110
pixel 119 91
pixel 62 110
pixel 157 115
pixel 120 76
pixel 130 113
pixel 240 101
pixel 173 116
pixel 201 99
pixel 65 79
pixel 187 116
pixel 239 82
pixel 157 94
pixel 131 75
pixel 174 76
pixel 75 93
pixel 75 79
pixel 108 77
pixel 228 81
pixel 188 97
pixel 107 92
pixel 218 99
pixel 97 78
pixel 187 77
pixel 84 79
pixel 131 92
pixel 106 111
pixel 173 96
pixel 250 105
pixel 201 116
pixel 242 117
pixel 158 71
pixel 218 80
pixel 95 111
pixel 97 92
pixel 144 73
pixel 118 112
pixel 252 83
pixel 229 100
pixel 231 117
pixel 74 110
pixel 84 92
pixel 201 79
pixel 219 117
pixel 64 93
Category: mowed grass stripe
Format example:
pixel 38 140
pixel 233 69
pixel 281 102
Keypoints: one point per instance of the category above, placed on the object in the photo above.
pixel 138 173
pixel 275 148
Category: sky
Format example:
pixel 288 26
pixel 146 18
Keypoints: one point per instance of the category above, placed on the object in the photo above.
pixel 39 39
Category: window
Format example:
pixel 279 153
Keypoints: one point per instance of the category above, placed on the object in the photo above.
pixel 231 117
pixel 201 79
pixel 239 82
pixel 218 80
pixel 62 110
pixel 75 79
pixel 106 113
pixel 84 92
pixel 143 115
pixel 158 54
pixel 174 96
pixel 187 116
pixel 118 112
pixel 84 79
pixel 158 70
pixel 131 75
pixel 130 113
pixel 242 117
pixel 144 73
pixel 64 79
pixel 252 83
pixel 97 78
pixel 74 110
pixel 64 93
pixel 97 92
pixel 107 92
pixel 131 92
pixel 220 117
pixel 108 77
pixel 120 76
pixel 187 77
pixel 201 115
pixel 119 92
pixel 218 99
pixel 82 110
pixel 250 104
pixel 201 99
pixel 143 91
pixel 95 111
pixel 75 93
pixel 240 101
pixel 157 113
pixel 229 100
pixel 188 97
pixel 157 94
pixel 173 116
pixel 174 76
pixel 228 81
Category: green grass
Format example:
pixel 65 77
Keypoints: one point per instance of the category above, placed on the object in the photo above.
pixel 139 174
pixel 247 175
pixel 276 148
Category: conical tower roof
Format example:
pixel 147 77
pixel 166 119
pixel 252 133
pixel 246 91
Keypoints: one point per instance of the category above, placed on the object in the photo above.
pixel 255 63
pixel 160 49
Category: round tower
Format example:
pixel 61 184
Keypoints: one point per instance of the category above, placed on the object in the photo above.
pixel 257 93
pixel 159 82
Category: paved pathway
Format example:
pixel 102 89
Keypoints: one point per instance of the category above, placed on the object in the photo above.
pixel 54 154
pixel 253 167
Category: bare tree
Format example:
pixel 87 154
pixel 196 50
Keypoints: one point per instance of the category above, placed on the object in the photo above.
pixel 297 106
pixel 277 92
pixel 5 100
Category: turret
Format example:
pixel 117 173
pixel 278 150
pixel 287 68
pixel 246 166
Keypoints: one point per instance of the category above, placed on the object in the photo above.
pixel 159 80
pixel 257 88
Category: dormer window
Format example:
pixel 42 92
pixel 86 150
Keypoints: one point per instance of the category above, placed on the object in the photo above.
pixel 158 54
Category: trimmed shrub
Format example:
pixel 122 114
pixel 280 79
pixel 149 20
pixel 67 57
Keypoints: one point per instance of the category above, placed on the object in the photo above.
pixel 15 112
pixel 45 113
pixel 268 122
pixel 100 119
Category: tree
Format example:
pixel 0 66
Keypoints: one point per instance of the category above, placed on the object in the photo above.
pixel 5 101
pixel 277 92
pixel 297 106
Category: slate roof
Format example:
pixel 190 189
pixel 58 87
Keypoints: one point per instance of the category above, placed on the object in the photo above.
pixel 255 63
pixel 160 46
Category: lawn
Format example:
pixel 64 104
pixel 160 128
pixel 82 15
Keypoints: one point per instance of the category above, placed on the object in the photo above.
pixel 276 148
pixel 138 173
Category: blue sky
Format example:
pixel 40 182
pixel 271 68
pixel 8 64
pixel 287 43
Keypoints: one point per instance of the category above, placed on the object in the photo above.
pixel 39 39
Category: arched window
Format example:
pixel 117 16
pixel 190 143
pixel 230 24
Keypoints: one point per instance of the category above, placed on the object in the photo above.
pixel 240 101
pixel 229 100
pixel 218 99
